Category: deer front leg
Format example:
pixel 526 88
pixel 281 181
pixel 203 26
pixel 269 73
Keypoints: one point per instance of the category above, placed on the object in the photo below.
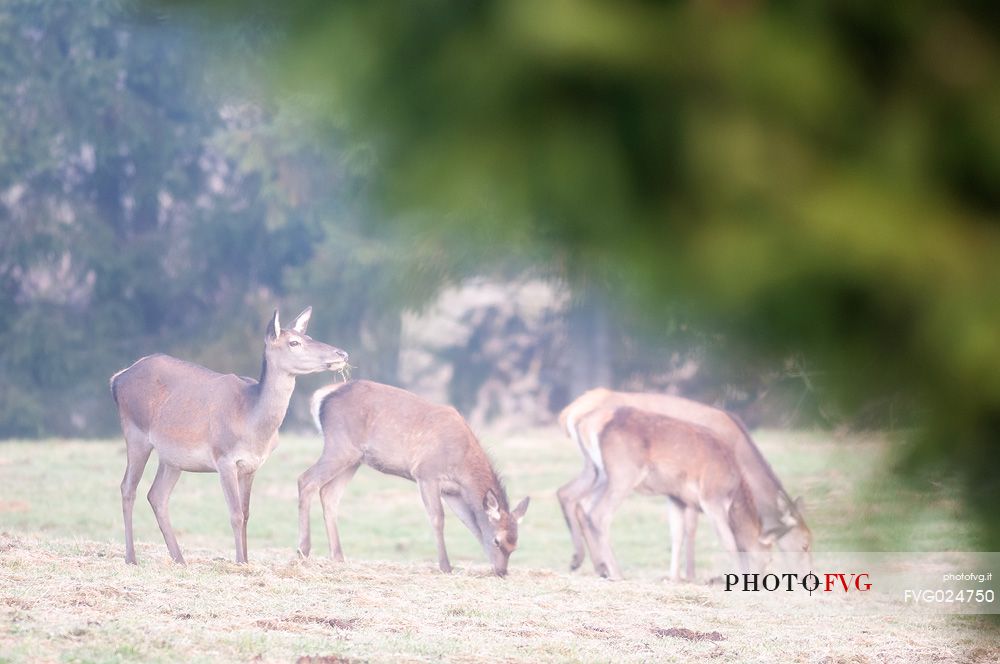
pixel 675 515
pixel 229 478
pixel 245 484
pixel 690 530
pixel 430 492
pixel 159 497
pixel 330 495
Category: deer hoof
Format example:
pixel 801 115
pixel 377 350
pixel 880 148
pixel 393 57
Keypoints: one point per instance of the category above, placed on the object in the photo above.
pixel 302 553
pixel 575 563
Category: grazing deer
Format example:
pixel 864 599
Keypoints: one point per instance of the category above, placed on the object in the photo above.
pixel 660 455
pixel 206 422
pixel 397 432
pixel 780 515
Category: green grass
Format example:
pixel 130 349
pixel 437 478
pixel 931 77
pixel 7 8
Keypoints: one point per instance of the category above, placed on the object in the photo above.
pixel 66 594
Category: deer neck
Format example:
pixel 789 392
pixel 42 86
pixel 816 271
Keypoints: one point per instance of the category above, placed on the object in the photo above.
pixel 480 479
pixel 274 391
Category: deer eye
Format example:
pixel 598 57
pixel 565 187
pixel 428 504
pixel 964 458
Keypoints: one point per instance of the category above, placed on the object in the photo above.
pixel 496 542
pixel 293 342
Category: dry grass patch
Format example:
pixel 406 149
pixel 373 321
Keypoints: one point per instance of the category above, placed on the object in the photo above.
pixel 73 600
pixel 66 594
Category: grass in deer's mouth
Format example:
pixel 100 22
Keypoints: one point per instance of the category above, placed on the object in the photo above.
pixel 66 593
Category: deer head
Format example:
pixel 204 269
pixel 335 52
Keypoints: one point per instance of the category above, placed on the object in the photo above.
pixel 293 352
pixel 795 539
pixel 499 537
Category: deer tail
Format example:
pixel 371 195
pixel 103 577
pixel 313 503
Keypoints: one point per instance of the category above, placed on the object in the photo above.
pixel 319 398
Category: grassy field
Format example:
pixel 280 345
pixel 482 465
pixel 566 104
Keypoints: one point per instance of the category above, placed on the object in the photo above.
pixel 66 594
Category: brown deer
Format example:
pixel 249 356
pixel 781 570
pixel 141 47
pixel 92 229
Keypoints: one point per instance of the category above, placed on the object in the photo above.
pixel 780 515
pixel 201 421
pixel 397 432
pixel 660 455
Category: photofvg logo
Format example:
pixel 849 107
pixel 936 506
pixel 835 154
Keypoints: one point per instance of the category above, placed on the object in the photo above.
pixel 829 582
pixel 876 582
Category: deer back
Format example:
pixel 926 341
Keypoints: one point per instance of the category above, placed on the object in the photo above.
pixel 397 432
pixel 769 494
pixel 190 413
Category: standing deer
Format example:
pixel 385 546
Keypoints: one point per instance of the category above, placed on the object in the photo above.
pixel 201 421
pixel 779 514
pixel 397 432
pixel 660 455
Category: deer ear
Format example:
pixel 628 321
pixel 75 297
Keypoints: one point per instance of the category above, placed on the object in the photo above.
pixel 274 327
pixel 787 512
pixel 521 508
pixel 301 321
pixel 491 506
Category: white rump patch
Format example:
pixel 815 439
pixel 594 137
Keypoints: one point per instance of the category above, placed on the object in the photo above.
pixel 111 382
pixel 571 427
pixel 594 451
pixel 316 403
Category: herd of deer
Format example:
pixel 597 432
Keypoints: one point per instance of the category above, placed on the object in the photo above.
pixel 197 420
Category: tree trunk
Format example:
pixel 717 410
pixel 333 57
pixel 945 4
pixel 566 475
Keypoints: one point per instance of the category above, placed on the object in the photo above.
pixel 589 345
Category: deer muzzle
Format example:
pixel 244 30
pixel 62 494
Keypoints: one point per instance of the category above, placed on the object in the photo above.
pixel 339 360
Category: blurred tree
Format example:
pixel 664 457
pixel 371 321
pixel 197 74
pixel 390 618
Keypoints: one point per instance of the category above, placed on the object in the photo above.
pixel 151 203
pixel 154 199
pixel 99 139
pixel 806 177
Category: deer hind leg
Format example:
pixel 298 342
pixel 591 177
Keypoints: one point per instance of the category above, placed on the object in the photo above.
pixel 583 505
pixel 330 495
pixel 430 492
pixel 159 496
pixel 569 496
pixel 137 450
pixel 718 512
pixel 330 465
pixel 598 524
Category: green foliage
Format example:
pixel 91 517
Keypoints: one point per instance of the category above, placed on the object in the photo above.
pixel 150 203
pixel 806 177
pixel 153 200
